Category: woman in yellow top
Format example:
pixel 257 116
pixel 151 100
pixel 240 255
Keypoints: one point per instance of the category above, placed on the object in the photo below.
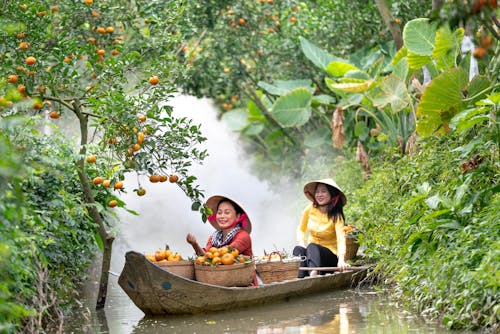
pixel 320 234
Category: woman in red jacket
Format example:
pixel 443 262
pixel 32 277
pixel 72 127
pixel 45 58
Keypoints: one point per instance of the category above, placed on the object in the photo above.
pixel 232 227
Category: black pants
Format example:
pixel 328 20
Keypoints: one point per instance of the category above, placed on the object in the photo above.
pixel 315 256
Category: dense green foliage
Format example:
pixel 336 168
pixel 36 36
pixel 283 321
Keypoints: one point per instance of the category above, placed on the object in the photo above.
pixel 47 236
pixel 434 226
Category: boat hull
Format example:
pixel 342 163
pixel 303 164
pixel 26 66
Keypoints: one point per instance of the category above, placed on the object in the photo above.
pixel 156 291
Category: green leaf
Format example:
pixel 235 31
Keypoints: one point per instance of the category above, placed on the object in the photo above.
pixel 447 47
pixel 468 118
pixel 348 87
pixel 280 87
pixel 319 57
pixel 441 100
pixel 294 108
pixel 416 61
pixel 195 206
pixel 253 129
pixel 318 137
pixel 419 35
pixel 236 119
pixel 340 68
pixel 401 69
pixel 401 54
pixel 323 99
pixel 98 240
pixel 392 91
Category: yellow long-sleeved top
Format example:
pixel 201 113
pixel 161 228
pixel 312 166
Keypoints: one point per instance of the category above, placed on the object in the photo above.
pixel 322 231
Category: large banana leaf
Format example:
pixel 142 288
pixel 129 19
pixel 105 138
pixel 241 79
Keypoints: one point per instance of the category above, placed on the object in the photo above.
pixel 441 100
pixel 319 57
pixel 294 108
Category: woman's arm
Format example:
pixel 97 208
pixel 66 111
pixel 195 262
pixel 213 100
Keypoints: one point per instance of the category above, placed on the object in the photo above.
pixel 192 241
pixel 341 244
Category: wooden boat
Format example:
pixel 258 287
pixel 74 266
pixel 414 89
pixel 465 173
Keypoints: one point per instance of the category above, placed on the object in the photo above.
pixel 157 291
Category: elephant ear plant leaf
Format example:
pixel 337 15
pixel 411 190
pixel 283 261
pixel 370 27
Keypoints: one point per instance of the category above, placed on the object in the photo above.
pixel 441 100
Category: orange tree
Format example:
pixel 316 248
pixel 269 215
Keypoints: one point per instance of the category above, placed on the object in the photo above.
pixel 104 68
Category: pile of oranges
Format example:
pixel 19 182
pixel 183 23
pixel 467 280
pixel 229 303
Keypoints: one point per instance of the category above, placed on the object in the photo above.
pixel 164 255
pixel 226 255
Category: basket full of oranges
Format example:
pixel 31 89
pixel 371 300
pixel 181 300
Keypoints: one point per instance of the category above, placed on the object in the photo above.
pixel 224 267
pixel 173 262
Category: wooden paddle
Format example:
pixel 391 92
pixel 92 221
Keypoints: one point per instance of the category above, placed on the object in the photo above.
pixel 332 268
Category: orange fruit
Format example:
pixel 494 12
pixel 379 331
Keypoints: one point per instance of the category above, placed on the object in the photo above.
pixel 136 147
pixel 241 259
pixel 216 260
pixel 141 118
pixel 227 70
pixel 97 180
pixel 91 159
pixel 141 192
pixel 241 20
pixel 101 30
pixel 101 52
pixel 227 259
pixel 154 80
pixel 223 250
pixel 110 30
pixel 91 40
pixel 479 52
pixel 115 52
pixel 235 252
pixel 154 178
pixel 163 178
pixel 293 19
pixel 54 8
pixel 54 114
pixel 30 60
pixel 213 250
pixel 173 178
pixel 398 21
pixel 21 35
pixel 21 88
pixel 24 7
pixel 37 105
pixel 106 183
pixel 208 255
pixel 150 257
pixel 140 137
pixel 159 255
pixel 88 2
pixel 24 45
pixel 118 185
pixel 12 78
pixel 42 13
pixel 200 259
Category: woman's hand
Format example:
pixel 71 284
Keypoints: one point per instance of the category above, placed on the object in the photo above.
pixel 342 265
pixel 191 239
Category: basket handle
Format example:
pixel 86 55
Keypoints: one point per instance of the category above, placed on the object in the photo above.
pixel 272 253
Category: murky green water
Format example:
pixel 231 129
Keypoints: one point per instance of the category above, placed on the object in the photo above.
pixel 348 311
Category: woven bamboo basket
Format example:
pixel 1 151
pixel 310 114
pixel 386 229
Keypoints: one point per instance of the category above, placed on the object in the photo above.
pixel 351 248
pixel 238 274
pixel 277 271
pixel 182 268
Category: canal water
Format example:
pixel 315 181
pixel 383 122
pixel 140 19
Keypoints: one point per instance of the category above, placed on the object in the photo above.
pixel 165 218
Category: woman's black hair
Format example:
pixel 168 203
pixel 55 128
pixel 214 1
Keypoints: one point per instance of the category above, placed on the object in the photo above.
pixel 334 211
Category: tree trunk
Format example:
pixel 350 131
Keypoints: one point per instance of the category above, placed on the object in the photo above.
pixel 94 213
pixel 390 22
pixel 106 265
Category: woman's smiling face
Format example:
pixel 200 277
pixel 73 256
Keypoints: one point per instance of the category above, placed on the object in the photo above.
pixel 322 195
pixel 226 215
